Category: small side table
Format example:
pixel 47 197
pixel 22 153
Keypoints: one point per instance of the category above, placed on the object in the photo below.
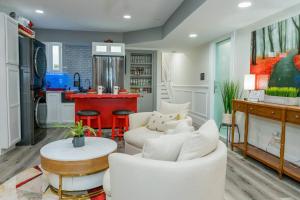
pixel 229 127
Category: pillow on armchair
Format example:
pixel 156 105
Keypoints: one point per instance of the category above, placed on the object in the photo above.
pixel 181 127
pixel 158 121
pixel 169 108
pixel 202 143
pixel 166 147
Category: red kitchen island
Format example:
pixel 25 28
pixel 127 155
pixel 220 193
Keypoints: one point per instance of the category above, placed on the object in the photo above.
pixel 105 104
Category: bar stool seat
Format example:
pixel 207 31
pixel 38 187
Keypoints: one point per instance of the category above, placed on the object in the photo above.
pixel 122 112
pixel 89 115
pixel 121 116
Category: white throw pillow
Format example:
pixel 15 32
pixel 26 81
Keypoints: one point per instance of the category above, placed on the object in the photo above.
pixel 169 108
pixel 157 121
pixel 166 147
pixel 200 144
pixel 181 127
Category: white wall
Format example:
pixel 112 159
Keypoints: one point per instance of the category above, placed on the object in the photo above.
pixel 260 129
pixel 186 67
pixel 187 86
pixel 189 64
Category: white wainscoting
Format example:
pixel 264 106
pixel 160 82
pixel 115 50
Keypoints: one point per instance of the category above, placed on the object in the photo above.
pixel 198 95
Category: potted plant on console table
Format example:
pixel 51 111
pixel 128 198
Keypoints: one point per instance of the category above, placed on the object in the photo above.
pixel 230 90
pixel 282 95
pixel 77 132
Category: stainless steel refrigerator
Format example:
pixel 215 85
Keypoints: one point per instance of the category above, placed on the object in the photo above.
pixel 108 71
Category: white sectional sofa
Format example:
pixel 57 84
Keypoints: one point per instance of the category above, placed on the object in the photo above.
pixel 200 176
pixel 138 133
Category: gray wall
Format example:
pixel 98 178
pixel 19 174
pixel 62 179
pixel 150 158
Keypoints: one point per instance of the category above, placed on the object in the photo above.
pixel 78 58
pixel 75 37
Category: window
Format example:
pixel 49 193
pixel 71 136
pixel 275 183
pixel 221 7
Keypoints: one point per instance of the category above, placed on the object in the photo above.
pixel 54 56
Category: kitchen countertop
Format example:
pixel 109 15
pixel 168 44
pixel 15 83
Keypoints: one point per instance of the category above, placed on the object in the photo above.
pixel 103 96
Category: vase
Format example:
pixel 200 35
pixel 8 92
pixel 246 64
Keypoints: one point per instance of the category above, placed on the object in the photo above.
pixel 292 101
pixel 227 118
pixel 78 141
pixel 274 99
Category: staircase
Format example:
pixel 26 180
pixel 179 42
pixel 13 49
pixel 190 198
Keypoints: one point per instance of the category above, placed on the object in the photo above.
pixel 166 93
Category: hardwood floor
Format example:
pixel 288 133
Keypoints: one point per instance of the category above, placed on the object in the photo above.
pixel 246 179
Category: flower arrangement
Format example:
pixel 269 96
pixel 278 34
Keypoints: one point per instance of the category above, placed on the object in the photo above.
pixel 282 95
pixel 282 91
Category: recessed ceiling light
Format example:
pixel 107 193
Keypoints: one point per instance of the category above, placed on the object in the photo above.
pixel 193 35
pixel 127 16
pixel 245 4
pixel 39 11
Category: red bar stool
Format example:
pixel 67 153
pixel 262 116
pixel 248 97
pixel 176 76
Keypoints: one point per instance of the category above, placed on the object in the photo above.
pixel 120 121
pixel 90 115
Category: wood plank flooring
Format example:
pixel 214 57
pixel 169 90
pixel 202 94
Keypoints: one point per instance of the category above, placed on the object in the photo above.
pixel 246 179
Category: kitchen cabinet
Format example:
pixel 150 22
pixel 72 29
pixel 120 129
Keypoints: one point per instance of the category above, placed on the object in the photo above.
pixel 58 112
pixel 53 100
pixel 67 112
pixel 140 77
pixel 10 122
pixel 108 49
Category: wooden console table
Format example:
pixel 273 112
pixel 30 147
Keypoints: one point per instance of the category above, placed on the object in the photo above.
pixel 282 113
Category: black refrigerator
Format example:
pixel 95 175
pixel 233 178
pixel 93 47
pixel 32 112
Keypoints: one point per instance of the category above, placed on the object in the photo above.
pixel 108 71
pixel 33 67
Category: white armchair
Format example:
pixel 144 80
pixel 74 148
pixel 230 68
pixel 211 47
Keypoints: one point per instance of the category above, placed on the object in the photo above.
pixel 137 178
pixel 138 133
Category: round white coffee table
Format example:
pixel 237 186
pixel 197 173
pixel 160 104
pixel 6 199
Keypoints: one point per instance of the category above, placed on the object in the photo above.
pixel 76 169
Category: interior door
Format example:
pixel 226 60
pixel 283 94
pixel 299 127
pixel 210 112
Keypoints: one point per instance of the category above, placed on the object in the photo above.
pixel 222 73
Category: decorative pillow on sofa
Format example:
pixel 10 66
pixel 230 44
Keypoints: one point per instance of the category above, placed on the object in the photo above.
pixel 181 127
pixel 169 108
pixel 157 121
pixel 166 147
pixel 200 144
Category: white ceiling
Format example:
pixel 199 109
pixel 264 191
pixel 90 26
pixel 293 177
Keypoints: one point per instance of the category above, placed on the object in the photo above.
pixel 216 18
pixel 94 15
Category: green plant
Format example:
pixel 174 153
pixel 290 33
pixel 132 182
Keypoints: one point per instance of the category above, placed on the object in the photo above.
pixel 282 91
pixel 229 91
pixel 79 129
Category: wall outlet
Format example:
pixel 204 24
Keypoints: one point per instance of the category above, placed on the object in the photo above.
pixel 276 137
pixel 202 76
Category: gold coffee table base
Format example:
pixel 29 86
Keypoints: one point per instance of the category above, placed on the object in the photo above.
pixel 67 195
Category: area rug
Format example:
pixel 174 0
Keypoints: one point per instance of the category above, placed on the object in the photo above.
pixel 31 184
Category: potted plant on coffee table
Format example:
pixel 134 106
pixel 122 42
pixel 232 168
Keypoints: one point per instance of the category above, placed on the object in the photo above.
pixel 230 90
pixel 77 132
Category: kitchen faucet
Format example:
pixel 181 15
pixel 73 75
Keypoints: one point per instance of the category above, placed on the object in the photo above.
pixel 77 82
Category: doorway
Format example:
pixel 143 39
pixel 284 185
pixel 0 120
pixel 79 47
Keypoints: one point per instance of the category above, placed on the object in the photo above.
pixel 223 62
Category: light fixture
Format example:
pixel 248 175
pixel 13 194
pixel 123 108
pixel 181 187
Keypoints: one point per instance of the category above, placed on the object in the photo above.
pixel 249 85
pixel 127 16
pixel 245 4
pixel 193 35
pixel 39 11
pixel 249 82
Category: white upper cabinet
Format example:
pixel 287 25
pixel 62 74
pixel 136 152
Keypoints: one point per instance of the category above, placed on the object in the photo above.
pixel 107 49
pixel 11 41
